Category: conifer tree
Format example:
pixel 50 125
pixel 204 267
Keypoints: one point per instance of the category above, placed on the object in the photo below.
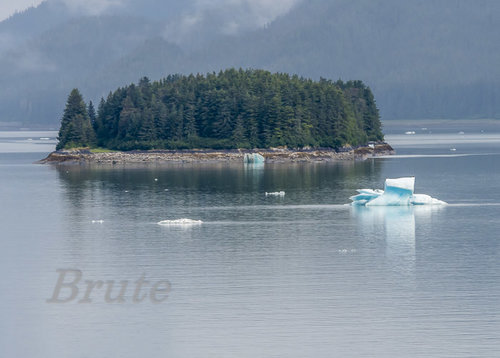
pixel 76 128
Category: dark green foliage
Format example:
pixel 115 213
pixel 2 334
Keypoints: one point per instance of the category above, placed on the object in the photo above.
pixel 364 107
pixel 92 114
pixel 76 126
pixel 235 109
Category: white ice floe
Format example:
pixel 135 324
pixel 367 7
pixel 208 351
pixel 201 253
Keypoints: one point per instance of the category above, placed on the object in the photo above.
pixel 97 221
pixel 180 222
pixel 397 192
pixel 276 193
pixel 410 132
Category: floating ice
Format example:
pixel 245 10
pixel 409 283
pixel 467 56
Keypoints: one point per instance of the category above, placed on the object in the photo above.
pixel 253 158
pixel 397 192
pixel 410 132
pixel 180 222
pixel 97 221
pixel 276 193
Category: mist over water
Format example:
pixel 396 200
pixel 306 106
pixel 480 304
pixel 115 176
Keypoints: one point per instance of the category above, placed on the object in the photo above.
pixel 299 275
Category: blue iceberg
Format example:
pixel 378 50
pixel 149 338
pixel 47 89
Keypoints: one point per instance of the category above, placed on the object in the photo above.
pixel 397 192
pixel 253 158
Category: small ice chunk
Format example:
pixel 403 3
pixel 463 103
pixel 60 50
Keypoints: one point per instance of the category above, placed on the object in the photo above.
pixel 410 132
pixel 97 221
pixel 276 193
pixel 180 222
pixel 253 158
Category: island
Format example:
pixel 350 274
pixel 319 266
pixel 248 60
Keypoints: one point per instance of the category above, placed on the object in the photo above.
pixel 221 117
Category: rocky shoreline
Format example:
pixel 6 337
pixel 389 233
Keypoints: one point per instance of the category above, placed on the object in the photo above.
pixel 274 155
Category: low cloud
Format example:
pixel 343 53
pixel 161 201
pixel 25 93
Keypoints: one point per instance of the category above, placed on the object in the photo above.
pixel 27 61
pixel 7 41
pixel 92 7
pixel 224 17
pixel 245 12
pixel 200 19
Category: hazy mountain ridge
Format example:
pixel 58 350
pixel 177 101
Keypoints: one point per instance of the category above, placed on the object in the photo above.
pixel 421 59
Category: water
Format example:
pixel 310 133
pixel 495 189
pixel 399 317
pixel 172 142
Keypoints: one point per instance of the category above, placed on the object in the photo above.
pixel 296 276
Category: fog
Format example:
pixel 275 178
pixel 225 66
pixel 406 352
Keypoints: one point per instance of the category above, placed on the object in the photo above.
pixel 422 59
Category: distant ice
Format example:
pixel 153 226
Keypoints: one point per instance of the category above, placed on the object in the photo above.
pixel 410 132
pixel 276 193
pixel 180 222
pixel 397 192
pixel 97 221
pixel 253 158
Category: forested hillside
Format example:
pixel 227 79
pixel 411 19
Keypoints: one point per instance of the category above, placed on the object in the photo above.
pixel 422 59
pixel 231 109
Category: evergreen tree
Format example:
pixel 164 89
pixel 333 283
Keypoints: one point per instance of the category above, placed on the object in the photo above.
pixel 92 114
pixel 76 127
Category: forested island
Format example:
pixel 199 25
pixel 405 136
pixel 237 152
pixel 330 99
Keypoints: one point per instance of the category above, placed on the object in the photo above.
pixel 232 109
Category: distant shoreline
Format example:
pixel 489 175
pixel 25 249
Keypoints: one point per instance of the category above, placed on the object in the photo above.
pixel 275 155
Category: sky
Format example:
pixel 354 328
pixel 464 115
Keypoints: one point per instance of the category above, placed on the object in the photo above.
pixel 9 7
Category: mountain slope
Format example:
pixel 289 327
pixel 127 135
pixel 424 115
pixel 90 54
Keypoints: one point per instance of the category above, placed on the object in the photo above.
pixel 409 52
pixel 422 59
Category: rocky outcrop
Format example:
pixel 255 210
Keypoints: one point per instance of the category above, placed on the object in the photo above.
pixel 273 155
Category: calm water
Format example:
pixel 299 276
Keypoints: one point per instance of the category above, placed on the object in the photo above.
pixel 298 276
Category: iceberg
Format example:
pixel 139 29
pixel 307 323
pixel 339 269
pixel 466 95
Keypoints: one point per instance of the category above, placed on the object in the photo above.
pixel 253 158
pixel 397 192
pixel 180 222
pixel 276 193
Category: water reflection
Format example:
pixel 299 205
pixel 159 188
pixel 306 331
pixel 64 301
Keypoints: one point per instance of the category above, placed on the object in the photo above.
pixel 322 183
pixel 398 226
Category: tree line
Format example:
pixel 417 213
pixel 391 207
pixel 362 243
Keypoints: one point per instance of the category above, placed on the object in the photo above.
pixel 229 109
